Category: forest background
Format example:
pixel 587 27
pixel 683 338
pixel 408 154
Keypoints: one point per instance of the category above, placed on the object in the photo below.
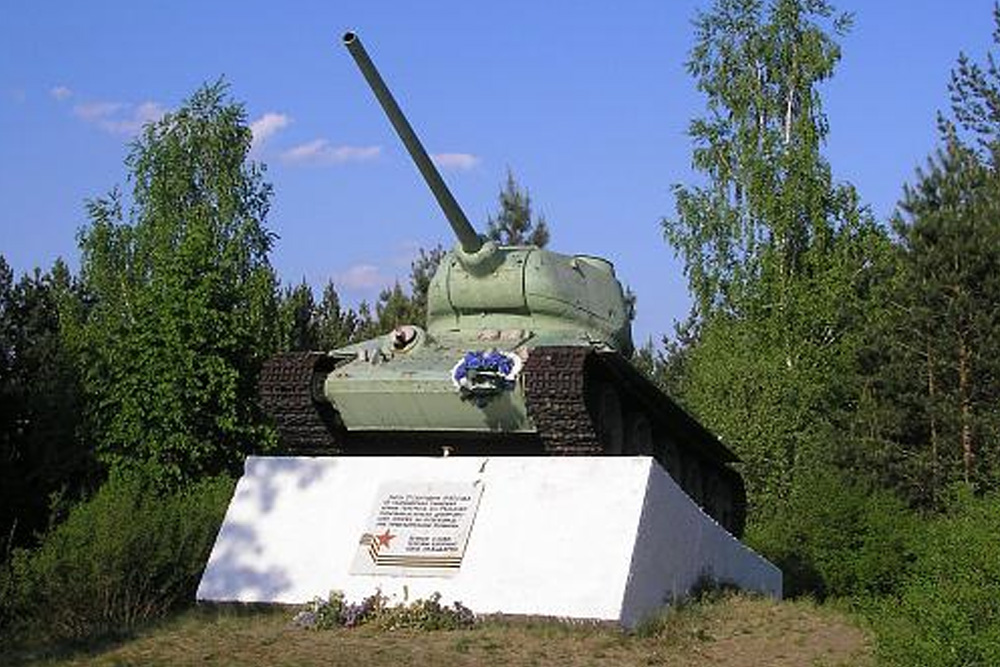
pixel 851 362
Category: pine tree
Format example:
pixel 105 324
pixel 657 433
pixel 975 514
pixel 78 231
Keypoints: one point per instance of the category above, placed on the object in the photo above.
pixel 45 459
pixel 335 327
pixel 934 415
pixel 299 323
pixel 949 333
pixel 513 224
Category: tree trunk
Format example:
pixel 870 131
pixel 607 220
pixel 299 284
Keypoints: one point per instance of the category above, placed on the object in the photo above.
pixel 965 407
pixel 932 397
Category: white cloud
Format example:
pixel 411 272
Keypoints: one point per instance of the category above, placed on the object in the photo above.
pixel 361 277
pixel 95 112
pixel 267 125
pixel 320 151
pixel 117 117
pixel 462 161
pixel 60 93
pixel 147 112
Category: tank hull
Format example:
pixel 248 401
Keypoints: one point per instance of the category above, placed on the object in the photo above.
pixel 566 400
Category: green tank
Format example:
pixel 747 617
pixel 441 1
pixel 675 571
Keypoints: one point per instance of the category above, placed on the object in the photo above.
pixel 524 352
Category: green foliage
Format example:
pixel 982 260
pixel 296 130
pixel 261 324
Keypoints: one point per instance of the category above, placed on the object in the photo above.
pixel 306 325
pixel 930 416
pixel 123 557
pixel 779 386
pixel 394 308
pixel 838 538
pixel 770 207
pixel 513 224
pixel 422 270
pixel 335 326
pixel 784 265
pixel 947 612
pixel 975 103
pixel 299 324
pixel 181 298
pixel 42 450
pixel 936 384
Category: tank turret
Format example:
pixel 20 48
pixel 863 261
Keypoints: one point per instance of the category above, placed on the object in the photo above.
pixel 481 286
pixel 524 351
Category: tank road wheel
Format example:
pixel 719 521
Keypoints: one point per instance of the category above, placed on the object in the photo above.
pixel 608 420
pixel 673 460
pixel 713 492
pixel 724 508
pixel 638 435
pixel 692 480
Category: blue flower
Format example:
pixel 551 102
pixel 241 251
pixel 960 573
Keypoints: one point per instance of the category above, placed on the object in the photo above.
pixel 482 374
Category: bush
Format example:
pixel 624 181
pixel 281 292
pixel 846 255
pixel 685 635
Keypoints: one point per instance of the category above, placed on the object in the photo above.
pixel 948 609
pixel 836 538
pixel 124 556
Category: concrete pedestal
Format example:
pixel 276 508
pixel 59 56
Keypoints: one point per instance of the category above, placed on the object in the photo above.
pixel 577 537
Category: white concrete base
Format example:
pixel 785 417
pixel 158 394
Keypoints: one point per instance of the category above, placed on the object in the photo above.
pixel 577 537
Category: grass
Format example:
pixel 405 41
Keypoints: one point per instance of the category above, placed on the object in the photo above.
pixel 735 631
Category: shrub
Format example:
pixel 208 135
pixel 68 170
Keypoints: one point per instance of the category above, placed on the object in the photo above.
pixel 948 609
pixel 126 555
pixel 836 538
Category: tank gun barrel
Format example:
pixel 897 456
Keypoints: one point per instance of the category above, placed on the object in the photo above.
pixel 467 236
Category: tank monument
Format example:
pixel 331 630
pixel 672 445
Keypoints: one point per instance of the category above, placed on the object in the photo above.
pixel 506 455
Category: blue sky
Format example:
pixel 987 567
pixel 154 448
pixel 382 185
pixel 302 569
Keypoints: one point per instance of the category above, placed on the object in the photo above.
pixel 586 102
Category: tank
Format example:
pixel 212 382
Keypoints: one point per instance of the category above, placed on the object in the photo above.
pixel 524 351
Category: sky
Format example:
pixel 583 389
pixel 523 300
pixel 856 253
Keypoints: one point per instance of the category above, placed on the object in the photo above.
pixel 587 103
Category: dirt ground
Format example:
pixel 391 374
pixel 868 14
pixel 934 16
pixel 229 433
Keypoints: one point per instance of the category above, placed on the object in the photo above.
pixel 737 631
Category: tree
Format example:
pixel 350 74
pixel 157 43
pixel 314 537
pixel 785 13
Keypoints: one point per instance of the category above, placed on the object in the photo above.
pixel 781 261
pixel 950 234
pixel 939 377
pixel 182 297
pixel 335 327
pixel 422 270
pixel 513 224
pixel 394 307
pixel 299 323
pixel 44 455
pixel 975 104
pixel 770 203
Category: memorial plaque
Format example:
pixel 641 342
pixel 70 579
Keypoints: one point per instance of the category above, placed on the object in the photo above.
pixel 418 529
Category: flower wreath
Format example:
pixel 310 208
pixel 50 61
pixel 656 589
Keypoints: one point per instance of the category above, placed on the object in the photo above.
pixel 482 374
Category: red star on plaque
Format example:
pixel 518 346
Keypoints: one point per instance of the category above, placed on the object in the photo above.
pixel 384 539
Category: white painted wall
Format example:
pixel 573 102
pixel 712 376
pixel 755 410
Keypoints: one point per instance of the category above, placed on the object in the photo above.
pixel 580 537
pixel 676 544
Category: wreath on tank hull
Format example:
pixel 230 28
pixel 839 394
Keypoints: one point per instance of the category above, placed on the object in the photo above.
pixel 480 375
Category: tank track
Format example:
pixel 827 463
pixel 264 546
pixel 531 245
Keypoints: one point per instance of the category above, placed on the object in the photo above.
pixel 287 394
pixel 558 384
pixel 555 393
